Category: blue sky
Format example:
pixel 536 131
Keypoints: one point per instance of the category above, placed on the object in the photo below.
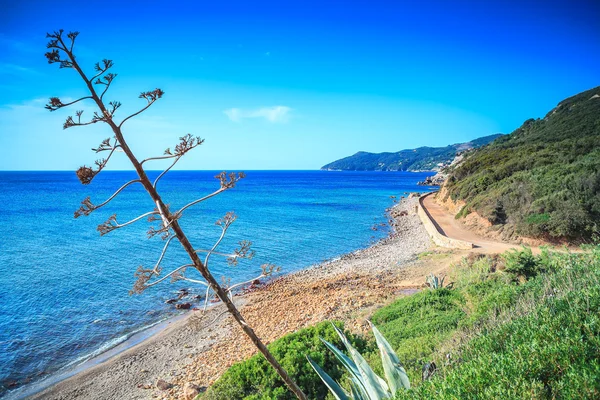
pixel 272 85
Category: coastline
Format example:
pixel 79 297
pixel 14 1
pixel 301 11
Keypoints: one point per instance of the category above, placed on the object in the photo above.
pixel 197 347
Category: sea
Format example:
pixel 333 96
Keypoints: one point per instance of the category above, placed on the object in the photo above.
pixel 64 289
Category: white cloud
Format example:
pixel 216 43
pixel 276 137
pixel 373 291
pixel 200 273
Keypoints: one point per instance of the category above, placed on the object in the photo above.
pixel 14 69
pixel 272 114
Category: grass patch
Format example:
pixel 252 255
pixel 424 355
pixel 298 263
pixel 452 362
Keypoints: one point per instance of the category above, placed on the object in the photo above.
pixel 513 326
pixel 543 343
pixel 432 255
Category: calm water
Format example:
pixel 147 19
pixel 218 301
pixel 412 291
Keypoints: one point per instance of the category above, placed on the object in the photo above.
pixel 64 289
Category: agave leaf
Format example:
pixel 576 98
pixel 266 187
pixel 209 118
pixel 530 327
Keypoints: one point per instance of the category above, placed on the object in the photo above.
pixel 375 387
pixel 394 371
pixel 333 386
pixel 344 359
pixel 348 364
pixel 442 281
pixel 358 391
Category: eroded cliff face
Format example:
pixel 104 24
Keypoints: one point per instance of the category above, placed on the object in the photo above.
pixel 443 199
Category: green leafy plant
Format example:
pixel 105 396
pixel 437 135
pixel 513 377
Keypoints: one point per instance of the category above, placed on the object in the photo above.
pixel 521 263
pixel 436 282
pixel 365 384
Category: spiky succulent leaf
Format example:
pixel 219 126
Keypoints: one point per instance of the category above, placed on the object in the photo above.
pixel 375 386
pixel 344 359
pixel 333 386
pixel 394 371
pixel 358 391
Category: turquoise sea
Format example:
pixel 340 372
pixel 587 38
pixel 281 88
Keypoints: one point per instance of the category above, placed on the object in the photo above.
pixel 64 289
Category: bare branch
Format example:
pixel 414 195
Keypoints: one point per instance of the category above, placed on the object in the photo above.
pixel 176 270
pixel 246 282
pixel 162 254
pixel 105 145
pixel 106 64
pixel 107 81
pixel 206 298
pixel 194 281
pixel 224 223
pixel 151 97
pixel 216 253
pixel 164 172
pixel 55 103
pixel 213 194
pixel 87 207
pixel 111 223
pixel 158 158
pixel 187 143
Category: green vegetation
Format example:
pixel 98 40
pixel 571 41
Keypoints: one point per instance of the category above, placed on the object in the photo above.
pixel 543 180
pixel 541 339
pixel 513 326
pixel 421 159
pixel 435 282
pixel 253 379
pixel 365 384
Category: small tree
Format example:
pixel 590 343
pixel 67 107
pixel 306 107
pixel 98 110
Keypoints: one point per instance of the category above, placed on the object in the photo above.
pixel 61 52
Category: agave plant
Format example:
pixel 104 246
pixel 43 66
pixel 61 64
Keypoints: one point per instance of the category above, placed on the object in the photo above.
pixel 435 282
pixel 364 383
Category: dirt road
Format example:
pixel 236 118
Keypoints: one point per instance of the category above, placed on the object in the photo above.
pixel 447 225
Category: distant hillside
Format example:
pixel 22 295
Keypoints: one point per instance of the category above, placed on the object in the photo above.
pixel 421 159
pixel 543 180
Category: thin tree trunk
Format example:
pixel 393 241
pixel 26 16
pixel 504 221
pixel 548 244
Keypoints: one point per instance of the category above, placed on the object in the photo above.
pixel 198 264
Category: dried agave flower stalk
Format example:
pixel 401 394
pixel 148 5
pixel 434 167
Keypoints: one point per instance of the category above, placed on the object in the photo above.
pixel 61 52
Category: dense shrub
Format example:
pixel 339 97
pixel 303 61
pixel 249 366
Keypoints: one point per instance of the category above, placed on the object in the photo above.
pixel 543 180
pixel 254 379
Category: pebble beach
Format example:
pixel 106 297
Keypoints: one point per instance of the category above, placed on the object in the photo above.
pixel 190 353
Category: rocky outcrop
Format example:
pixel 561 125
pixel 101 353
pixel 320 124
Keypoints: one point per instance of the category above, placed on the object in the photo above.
pixel 435 180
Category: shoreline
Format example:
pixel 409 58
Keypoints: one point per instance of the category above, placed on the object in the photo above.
pixel 131 341
pixel 178 337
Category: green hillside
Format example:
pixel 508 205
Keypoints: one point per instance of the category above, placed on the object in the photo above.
pixel 420 159
pixel 543 180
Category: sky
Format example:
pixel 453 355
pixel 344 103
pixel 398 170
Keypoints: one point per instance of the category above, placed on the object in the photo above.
pixel 290 85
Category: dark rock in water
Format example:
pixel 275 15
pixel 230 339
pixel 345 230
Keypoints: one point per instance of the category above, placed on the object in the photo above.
pixel 183 306
pixel 197 297
pixel 256 282
pixel 163 385
pixel 171 301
